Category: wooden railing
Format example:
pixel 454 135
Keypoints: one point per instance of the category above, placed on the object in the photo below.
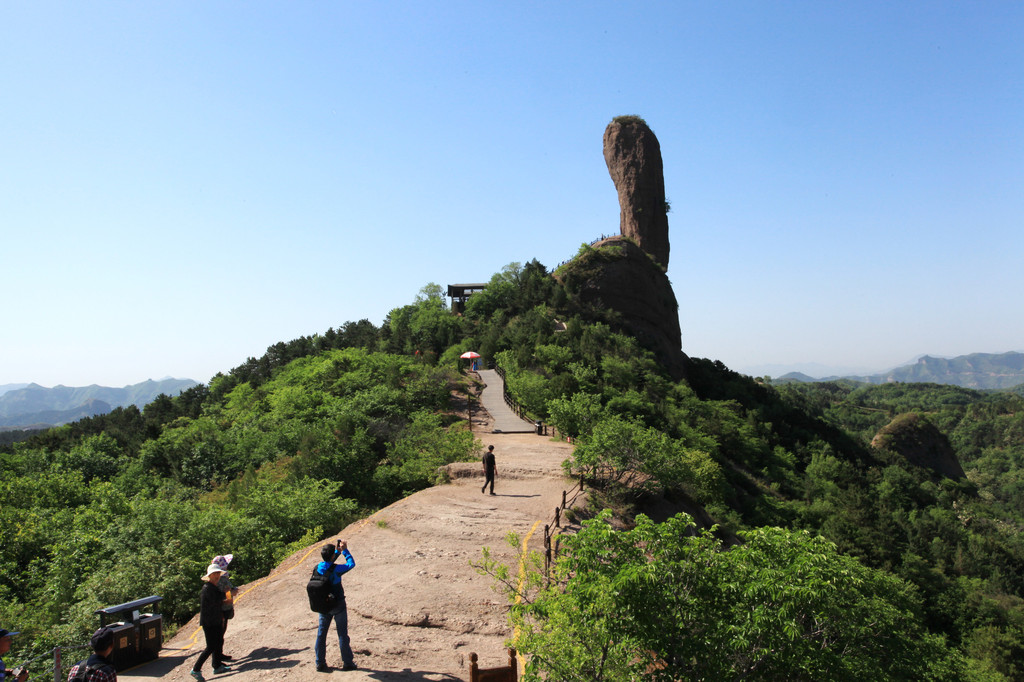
pixel 505 673
pixel 512 403
pixel 553 530
pixel 515 406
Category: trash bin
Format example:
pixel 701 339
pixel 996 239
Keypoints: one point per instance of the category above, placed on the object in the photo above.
pixel 151 636
pixel 124 654
pixel 138 636
pixel 540 427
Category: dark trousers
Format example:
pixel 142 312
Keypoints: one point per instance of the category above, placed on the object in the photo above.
pixel 341 625
pixel 490 479
pixel 214 646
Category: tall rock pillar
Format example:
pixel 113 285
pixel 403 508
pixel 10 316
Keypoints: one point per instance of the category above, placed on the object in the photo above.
pixel 633 156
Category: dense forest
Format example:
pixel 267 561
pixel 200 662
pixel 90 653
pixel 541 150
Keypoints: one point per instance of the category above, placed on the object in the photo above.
pixel 799 551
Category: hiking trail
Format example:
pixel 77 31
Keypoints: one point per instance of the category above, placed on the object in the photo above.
pixel 416 607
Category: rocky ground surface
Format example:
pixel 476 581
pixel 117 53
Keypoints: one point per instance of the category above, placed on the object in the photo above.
pixel 417 608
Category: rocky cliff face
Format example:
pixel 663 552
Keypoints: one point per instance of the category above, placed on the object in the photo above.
pixel 617 275
pixel 920 443
pixel 626 275
pixel 633 156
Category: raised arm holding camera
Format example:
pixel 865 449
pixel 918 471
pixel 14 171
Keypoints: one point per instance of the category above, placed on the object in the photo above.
pixel 335 609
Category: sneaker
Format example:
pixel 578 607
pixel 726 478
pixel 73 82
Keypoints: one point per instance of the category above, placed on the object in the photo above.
pixel 225 657
pixel 197 675
pixel 495 494
pixel 322 668
pixel 221 669
pixel 350 666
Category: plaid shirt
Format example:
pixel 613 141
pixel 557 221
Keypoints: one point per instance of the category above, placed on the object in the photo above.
pixel 102 670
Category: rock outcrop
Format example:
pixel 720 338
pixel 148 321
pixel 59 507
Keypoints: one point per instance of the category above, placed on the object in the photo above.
pixel 921 443
pixel 616 275
pixel 623 278
pixel 633 156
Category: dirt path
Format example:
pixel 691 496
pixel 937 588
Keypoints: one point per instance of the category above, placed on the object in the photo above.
pixel 416 607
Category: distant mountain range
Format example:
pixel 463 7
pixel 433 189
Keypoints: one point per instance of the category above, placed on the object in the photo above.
pixel 32 406
pixel 977 370
pixel 4 388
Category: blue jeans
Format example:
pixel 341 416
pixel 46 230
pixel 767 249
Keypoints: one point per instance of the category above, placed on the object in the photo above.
pixel 341 624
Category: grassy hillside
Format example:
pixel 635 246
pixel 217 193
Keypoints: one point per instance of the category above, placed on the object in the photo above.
pixel 290 446
pixel 253 470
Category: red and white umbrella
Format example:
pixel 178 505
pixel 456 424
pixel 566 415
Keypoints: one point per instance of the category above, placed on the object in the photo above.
pixel 470 355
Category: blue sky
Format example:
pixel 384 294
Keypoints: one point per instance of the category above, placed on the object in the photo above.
pixel 183 184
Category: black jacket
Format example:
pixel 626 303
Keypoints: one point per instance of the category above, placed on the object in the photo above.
pixel 210 612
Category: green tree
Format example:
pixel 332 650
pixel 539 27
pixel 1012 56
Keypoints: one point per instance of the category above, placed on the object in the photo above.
pixel 425 328
pixel 577 415
pixel 637 458
pixel 669 602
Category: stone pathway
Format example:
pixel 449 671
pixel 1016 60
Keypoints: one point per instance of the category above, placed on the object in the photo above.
pixel 504 420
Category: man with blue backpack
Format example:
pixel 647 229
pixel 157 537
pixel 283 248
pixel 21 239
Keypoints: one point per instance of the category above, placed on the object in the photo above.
pixel 327 597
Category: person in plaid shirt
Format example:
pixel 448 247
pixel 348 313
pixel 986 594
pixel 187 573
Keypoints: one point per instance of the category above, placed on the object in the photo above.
pixel 97 668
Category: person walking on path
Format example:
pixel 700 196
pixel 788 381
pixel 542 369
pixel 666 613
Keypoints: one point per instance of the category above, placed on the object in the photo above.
pixel 339 613
pixel 211 617
pixel 230 592
pixel 490 468
pixel 98 667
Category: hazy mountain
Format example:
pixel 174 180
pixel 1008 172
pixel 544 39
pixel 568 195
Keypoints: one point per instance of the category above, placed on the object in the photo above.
pixel 809 369
pixel 33 406
pixel 793 376
pixel 49 418
pixel 4 388
pixel 977 370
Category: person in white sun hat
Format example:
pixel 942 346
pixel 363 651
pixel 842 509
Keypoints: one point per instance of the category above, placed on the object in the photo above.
pixel 211 617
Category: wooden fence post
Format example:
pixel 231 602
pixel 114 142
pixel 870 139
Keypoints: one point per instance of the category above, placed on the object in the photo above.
pixel 547 552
